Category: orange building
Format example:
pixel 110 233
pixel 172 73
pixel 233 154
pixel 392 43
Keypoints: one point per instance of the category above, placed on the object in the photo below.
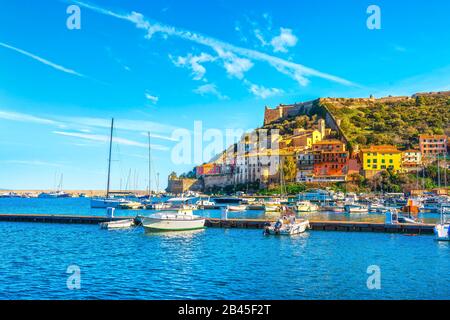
pixel 207 169
pixel 330 158
pixel 432 145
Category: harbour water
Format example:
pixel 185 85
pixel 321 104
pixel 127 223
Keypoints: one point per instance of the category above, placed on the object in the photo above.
pixel 210 264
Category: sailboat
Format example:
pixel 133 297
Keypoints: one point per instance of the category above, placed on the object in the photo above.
pixel 55 194
pixel 108 201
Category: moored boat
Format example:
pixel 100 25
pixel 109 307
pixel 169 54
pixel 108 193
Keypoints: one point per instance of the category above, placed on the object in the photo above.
pixel 288 226
pixel 306 206
pixel 173 220
pixel 237 208
pixel 118 224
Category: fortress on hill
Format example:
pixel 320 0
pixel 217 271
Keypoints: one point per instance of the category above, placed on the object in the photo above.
pixel 283 111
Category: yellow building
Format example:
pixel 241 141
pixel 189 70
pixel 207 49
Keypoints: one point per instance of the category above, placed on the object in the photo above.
pixel 379 158
pixel 305 138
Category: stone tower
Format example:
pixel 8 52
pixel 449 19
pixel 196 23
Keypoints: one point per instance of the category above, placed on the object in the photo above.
pixel 322 127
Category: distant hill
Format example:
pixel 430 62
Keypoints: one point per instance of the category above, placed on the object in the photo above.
pixel 391 120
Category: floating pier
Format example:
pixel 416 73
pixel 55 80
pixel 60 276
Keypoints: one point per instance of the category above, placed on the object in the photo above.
pixel 347 226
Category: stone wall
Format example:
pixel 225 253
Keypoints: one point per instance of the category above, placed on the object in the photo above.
pixel 178 186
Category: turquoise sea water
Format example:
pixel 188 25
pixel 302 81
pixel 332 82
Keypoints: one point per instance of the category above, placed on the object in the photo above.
pixel 211 263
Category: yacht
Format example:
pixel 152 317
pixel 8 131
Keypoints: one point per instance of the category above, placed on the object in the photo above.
pixel 55 194
pixel 306 206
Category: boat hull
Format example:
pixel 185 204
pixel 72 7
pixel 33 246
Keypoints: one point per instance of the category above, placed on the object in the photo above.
pixel 120 224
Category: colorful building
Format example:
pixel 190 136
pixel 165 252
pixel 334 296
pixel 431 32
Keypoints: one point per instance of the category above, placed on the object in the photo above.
pixel 411 160
pixel 331 159
pixel 379 158
pixel 208 169
pixel 432 145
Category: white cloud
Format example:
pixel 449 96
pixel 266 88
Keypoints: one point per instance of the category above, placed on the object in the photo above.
pixel 282 42
pixel 263 92
pixel 105 138
pixel 33 163
pixel 22 117
pixel 210 89
pixel 42 60
pixel 151 98
pixel 234 65
pixel 194 63
pixel 292 69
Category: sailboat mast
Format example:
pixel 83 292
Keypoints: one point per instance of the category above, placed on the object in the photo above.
pixel 109 159
pixel 149 167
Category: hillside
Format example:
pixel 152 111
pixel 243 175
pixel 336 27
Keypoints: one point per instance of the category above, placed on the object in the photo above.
pixel 392 120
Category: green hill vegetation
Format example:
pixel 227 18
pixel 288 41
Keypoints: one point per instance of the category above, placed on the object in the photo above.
pixel 396 121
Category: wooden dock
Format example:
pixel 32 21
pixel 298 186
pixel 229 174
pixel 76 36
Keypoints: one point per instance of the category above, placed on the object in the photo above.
pixel 347 226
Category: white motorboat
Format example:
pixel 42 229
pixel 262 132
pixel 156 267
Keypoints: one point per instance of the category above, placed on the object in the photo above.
pixel 173 220
pixel 306 206
pixel 355 208
pixel 118 224
pixel 290 226
pixel 237 208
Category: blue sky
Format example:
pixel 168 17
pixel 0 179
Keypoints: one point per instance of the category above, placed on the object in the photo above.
pixel 161 65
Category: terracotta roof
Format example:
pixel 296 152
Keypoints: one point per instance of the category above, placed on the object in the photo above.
pixel 381 148
pixel 329 142
pixel 432 136
pixel 412 150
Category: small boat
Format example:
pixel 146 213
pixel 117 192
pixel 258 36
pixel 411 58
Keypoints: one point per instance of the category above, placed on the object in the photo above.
pixel 205 203
pixel 130 205
pixel 306 206
pixel 173 220
pixel 237 208
pixel 289 226
pixel 118 224
pixel 355 208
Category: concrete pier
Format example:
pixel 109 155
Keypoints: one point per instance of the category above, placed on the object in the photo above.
pixel 347 226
